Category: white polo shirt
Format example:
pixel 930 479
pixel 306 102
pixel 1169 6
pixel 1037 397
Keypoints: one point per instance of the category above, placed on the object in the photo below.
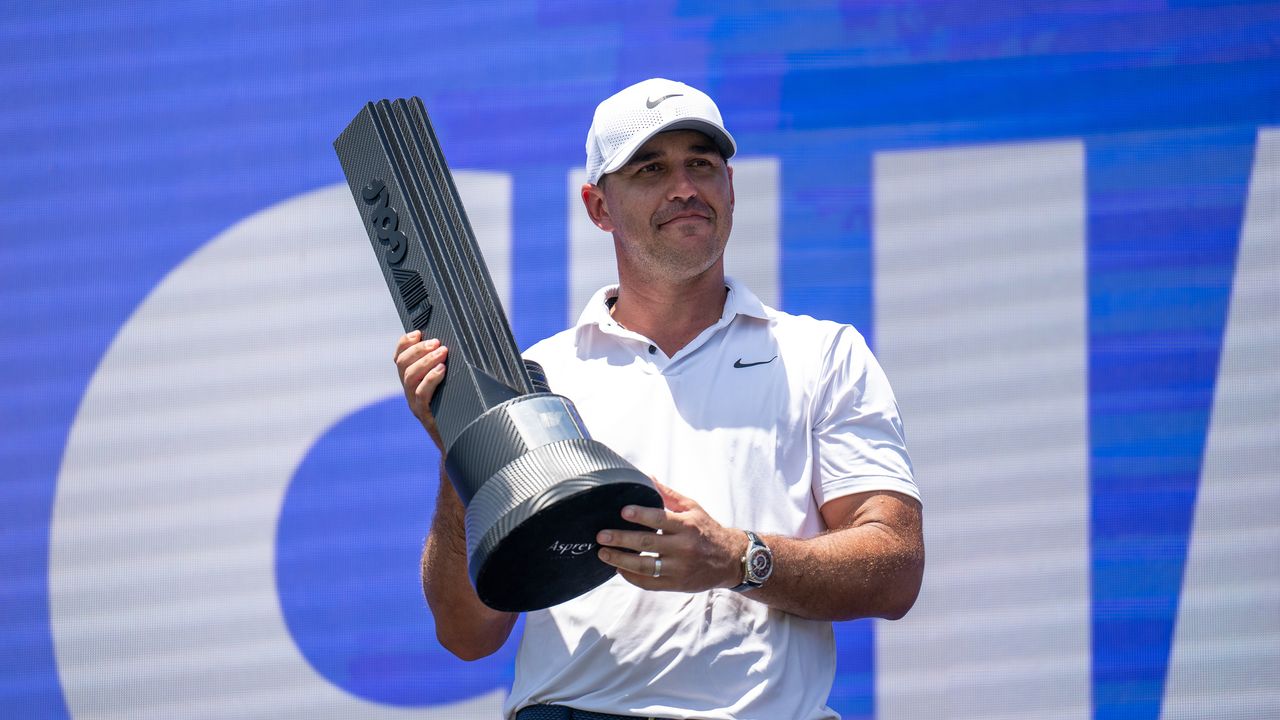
pixel 761 419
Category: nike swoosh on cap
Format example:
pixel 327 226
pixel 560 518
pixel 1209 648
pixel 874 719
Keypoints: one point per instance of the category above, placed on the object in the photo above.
pixel 739 364
pixel 651 103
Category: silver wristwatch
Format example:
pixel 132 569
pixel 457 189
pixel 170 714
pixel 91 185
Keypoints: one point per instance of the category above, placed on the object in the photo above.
pixel 757 563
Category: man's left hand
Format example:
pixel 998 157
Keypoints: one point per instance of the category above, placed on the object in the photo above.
pixel 693 551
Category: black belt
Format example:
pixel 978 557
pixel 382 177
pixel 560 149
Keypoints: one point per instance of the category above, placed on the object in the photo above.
pixel 563 712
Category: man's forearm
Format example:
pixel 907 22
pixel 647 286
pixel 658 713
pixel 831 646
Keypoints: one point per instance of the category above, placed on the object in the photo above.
pixel 872 567
pixel 465 626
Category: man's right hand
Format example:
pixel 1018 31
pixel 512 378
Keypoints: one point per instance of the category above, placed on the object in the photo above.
pixel 421 366
pixel 464 625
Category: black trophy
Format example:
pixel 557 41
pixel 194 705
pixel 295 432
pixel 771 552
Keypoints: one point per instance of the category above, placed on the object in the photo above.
pixel 536 486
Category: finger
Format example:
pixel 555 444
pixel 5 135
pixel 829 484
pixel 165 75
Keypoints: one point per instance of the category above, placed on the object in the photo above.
pixel 673 500
pixel 430 382
pixel 640 566
pixel 645 580
pixel 415 372
pixel 415 352
pixel 655 518
pixel 405 341
pixel 639 541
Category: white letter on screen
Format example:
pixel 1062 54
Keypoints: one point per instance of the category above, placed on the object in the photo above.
pixel 1225 661
pixel 981 325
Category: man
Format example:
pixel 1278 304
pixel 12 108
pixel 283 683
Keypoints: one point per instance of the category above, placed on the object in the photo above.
pixel 775 439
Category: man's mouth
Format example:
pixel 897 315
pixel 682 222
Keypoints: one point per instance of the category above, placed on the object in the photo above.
pixel 687 214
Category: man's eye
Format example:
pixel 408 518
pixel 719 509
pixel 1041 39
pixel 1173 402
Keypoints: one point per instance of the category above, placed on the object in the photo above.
pixel 651 167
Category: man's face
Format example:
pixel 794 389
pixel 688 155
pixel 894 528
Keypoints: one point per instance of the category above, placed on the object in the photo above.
pixel 670 208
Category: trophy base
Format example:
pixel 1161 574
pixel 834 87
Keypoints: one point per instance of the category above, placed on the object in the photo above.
pixel 537 490
pixel 549 554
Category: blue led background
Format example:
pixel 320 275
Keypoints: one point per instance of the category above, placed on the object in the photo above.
pixel 134 133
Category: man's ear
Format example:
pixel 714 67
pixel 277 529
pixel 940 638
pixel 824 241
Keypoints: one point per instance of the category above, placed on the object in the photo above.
pixel 731 198
pixel 597 208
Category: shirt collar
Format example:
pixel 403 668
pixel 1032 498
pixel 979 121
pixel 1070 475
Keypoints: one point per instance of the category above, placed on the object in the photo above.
pixel 739 301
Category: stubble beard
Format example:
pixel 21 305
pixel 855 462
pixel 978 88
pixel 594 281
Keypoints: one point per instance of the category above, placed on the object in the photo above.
pixel 664 257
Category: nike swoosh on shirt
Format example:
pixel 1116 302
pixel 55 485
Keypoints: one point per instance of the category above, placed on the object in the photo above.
pixel 651 103
pixel 739 364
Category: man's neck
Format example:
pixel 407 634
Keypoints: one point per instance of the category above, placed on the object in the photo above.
pixel 671 314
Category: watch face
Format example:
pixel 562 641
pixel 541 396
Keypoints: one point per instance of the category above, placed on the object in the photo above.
pixel 759 565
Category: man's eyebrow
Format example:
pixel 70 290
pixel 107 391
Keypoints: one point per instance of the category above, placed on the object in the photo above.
pixel 697 148
pixel 643 157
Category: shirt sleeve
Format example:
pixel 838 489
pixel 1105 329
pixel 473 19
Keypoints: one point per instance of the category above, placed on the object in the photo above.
pixel 859 442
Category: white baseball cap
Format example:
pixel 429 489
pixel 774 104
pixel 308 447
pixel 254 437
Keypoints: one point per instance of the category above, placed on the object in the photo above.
pixel 627 120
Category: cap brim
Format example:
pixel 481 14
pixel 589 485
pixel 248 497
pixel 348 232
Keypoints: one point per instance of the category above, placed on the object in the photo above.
pixel 723 140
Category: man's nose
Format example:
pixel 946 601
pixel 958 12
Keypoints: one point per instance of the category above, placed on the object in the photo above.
pixel 682 186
